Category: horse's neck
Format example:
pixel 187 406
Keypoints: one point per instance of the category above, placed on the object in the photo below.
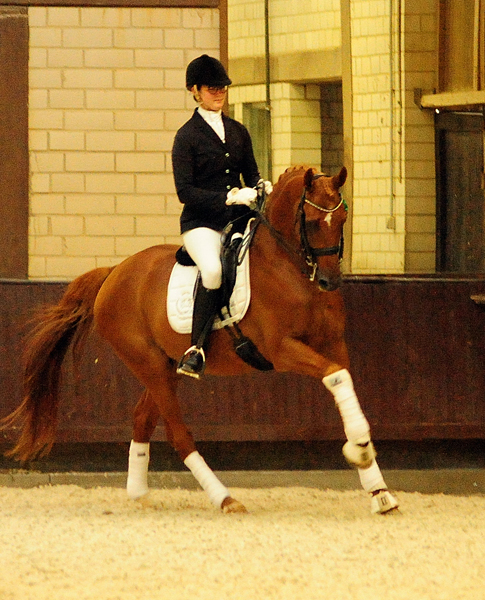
pixel 282 215
pixel 280 241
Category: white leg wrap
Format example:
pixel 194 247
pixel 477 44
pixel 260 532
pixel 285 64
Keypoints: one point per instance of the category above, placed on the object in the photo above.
pixel 371 478
pixel 382 503
pixel 355 424
pixel 137 482
pixel 372 481
pixel 205 476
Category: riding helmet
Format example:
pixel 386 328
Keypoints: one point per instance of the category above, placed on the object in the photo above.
pixel 206 70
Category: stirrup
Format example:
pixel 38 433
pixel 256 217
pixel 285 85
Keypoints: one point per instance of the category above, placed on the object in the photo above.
pixel 192 362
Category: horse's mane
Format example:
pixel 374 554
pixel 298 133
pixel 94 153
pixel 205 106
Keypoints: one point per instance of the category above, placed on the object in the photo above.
pixel 280 202
pixel 286 176
pixel 289 173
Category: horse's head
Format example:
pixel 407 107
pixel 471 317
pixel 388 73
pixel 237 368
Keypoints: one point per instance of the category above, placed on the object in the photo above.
pixel 322 214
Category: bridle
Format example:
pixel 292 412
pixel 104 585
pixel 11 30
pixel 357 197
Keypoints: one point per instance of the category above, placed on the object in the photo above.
pixel 312 253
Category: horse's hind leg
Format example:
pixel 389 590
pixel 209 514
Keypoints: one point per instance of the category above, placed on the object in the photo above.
pixel 359 450
pixel 157 373
pixel 145 419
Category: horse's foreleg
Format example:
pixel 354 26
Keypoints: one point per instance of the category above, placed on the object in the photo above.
pixel 382 500
pixel 359 450
pixel 294 355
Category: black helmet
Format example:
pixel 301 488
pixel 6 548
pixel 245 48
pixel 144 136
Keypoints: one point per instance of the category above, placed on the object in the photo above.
pixel 206 70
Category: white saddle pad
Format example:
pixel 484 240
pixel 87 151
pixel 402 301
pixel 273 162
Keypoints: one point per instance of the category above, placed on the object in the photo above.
pixel 180 297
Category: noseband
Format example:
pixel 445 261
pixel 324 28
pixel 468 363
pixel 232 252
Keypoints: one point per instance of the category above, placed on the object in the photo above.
pixel 312 253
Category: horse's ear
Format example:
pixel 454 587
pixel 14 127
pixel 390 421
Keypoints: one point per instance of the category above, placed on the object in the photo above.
pixel 308 178
pixel 340 179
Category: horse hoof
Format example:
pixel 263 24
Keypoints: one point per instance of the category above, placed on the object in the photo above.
pixel 383 502
pixel 136 493
pixel 145 501
pixel 359 454
pixel 229 505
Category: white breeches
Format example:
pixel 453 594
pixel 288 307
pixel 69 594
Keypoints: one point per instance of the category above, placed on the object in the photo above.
pixel 204 246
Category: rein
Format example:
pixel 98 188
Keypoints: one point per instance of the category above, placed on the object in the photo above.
pixel 310 252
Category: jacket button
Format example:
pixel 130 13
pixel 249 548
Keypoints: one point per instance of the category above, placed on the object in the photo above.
pixel 228 187
pixel 227 154
pixel 227 170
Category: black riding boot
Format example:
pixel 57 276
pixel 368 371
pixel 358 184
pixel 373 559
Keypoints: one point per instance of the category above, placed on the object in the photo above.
pixel 206 304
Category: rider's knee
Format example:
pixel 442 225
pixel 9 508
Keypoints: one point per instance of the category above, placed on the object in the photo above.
pixel 212 277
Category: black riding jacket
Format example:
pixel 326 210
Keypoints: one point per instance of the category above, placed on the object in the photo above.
pixel 205 168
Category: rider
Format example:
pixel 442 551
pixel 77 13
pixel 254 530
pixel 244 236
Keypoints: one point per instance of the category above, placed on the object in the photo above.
pixel 210 154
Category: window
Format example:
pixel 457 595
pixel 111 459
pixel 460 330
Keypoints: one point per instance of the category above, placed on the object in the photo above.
pixel 462 45
pixel 257 120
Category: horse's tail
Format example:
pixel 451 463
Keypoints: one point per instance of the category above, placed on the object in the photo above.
pixel 55 328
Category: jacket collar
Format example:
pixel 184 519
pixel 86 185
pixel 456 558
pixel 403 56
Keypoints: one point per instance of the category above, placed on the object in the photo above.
pixel 200 122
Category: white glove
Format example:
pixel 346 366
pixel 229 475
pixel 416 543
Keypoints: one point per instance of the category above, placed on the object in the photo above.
pixel 268 186
pixel 245 196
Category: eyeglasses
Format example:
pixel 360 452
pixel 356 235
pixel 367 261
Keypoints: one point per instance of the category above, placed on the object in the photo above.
pixel 217 90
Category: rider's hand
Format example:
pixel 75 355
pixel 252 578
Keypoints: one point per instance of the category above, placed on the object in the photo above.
pixel 245 196
pixel 268 186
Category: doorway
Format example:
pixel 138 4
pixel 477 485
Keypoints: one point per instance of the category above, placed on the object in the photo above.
pixel 460 192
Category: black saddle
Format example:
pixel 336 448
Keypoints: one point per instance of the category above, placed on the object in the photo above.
pixel 232 254
pixel 232 238
pixel 229 260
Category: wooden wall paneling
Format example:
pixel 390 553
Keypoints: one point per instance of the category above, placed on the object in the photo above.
pixel 14 153
pixel 417 350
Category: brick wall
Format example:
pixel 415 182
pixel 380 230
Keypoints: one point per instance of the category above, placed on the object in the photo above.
pixel 393 224
pixel 295 108
pixel 106 98
pixel 295 26
pixel 107 95
pixel 295 121
pixel 421 69
pixel 376 247
pixel 393 217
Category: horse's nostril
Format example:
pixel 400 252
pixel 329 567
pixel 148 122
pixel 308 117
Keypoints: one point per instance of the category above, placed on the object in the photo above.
pixel 329 285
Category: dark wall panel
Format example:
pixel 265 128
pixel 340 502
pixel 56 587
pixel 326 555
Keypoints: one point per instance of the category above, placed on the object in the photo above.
pixel 417 348
pixel 14 152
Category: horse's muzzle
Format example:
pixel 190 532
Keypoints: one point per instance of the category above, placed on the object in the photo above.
pixel 327 283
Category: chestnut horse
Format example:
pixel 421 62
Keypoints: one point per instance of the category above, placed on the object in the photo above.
pixel 295 319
